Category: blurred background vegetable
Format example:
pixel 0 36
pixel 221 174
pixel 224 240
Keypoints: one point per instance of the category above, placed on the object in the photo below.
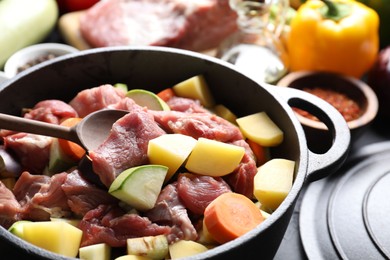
pixel 382 7
pixel 67 6
pixel 23 23
pixel 336 36
pixel 296 3
pixel 379 80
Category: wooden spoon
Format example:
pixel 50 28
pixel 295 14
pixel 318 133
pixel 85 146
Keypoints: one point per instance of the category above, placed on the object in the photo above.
pixel 90 132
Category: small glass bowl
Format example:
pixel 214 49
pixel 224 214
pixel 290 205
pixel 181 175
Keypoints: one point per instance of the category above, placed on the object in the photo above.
pixel 33 55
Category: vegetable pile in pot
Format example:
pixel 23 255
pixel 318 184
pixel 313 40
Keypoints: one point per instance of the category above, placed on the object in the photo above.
pixel 172 181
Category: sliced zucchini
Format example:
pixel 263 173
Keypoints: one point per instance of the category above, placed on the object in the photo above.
pixel 24 23
pixel 17 228
pixel 153 247
pixel 139 186
pixel 147 99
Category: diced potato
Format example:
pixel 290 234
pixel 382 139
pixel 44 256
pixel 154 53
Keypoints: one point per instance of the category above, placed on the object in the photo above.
pixel 273 182
pixel 95 252
pixel 195 88
pixel 261 129
pixel 132 257
pixel 56 236
pixel 265 214
pixel 170 150
pixel 185 248
pixel 153 247
pixel 225 113
pixel 214 158
pixel 73 222
pixel 139 186
pixel 205 237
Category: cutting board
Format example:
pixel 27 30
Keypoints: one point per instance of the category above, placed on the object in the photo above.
pixel 68 26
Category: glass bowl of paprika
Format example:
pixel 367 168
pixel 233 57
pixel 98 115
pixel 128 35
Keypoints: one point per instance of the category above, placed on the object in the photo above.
pixel 353 98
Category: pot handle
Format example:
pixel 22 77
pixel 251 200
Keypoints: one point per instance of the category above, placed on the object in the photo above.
pixel 321 165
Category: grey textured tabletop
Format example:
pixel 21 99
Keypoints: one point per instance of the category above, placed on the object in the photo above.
pixel 291 247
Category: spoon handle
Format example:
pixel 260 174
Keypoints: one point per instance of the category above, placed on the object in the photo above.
pixel 21 124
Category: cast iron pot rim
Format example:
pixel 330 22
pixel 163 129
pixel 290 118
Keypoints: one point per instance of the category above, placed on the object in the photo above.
pixel 289 201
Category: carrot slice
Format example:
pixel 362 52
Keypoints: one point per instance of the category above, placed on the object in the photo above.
pixel 259 152
pixel 230 216
pixel 166 94
pixel 74 150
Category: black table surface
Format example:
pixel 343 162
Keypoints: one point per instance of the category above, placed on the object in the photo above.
pixel 291 247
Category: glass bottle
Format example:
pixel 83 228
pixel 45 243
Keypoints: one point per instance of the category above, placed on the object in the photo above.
pixel 256 48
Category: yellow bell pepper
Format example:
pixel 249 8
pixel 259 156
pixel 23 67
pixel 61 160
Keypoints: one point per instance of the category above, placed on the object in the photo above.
pixel 334 35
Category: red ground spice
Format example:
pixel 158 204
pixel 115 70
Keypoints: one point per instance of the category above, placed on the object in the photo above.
pixel 348 108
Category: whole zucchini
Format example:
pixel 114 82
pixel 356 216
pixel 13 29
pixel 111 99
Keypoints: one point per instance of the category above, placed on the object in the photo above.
pixel 23 23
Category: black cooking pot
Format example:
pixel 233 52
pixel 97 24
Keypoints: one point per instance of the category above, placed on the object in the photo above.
pixel 156 68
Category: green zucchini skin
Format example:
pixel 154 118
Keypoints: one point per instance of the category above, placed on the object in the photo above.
pixel 23 23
